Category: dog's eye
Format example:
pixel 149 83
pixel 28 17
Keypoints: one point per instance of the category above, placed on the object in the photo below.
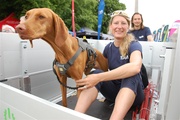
pixel 41 17
pixel 26 17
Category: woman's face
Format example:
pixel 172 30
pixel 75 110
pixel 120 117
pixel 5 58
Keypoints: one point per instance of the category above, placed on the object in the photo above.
pixel 119 27
pixel 137 20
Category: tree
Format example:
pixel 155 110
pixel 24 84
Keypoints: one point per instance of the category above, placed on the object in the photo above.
pixel 86 11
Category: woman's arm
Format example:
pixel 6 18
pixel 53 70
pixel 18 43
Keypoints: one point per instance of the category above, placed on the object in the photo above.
pixel 124 71
pixel 150 38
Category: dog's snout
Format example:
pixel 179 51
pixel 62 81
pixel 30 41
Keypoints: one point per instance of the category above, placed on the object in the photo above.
pixel 20 28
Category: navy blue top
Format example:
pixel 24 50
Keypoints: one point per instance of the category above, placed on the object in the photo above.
pixel 141 34
pixel 112 53
pixel 110 89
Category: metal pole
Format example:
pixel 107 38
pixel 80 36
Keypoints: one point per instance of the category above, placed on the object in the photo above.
pixel 136 5
pixel 73 22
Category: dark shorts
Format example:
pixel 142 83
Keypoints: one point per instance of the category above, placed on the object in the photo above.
pixel 110 89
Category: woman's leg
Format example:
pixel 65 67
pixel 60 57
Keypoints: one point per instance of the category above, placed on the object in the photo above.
pixel 123 103
pixel 130 95
pixel 108 89
pixel 85 99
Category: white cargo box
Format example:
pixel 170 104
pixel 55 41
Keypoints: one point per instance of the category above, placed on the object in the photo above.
pixel 19 105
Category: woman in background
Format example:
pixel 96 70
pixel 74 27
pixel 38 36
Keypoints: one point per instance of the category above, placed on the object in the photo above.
pixel 141 32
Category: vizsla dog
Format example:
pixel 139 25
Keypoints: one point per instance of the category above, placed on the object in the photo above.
pixel 72 56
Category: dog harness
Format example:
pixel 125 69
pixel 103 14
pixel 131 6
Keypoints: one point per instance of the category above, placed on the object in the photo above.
pixel 83 45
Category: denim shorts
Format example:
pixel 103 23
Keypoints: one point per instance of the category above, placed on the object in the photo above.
pixel 110 89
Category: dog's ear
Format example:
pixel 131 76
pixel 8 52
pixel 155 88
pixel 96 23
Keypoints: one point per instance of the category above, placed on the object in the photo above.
pixel 61 31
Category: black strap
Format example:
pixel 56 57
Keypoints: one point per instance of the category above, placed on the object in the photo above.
pixel 54 63
pixel 64 67
pixel 3 80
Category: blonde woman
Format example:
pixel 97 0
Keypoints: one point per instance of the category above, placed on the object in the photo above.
pixel 122 84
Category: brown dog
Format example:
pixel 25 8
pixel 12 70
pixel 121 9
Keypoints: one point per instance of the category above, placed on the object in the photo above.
pixel 45 24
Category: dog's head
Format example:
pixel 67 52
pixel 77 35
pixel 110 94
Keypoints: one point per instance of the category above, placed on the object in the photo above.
pixel 41 23
pixel 35 24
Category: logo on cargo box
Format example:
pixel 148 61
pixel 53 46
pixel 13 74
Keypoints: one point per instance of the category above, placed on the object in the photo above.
pixel 8 115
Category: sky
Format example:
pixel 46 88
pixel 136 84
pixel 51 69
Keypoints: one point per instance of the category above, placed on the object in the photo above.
pixel 155 12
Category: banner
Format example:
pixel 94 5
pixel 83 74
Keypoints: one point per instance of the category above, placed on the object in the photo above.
pixel 100 16
pixel 174 27
pixel 10 20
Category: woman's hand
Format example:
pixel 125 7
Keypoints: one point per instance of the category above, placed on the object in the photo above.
pixel 88 82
